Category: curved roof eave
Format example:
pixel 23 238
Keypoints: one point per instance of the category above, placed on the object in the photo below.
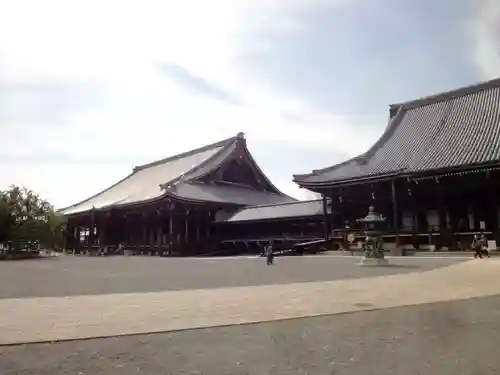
pixel 259 170
pixel 226 143
pixel 360 159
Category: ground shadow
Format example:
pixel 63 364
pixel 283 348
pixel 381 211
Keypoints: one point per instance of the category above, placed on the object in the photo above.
pixel 405 266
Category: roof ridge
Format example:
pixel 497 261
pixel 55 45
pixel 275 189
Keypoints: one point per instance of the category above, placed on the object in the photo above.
pixel 394 121
pixel 259 170
pixel 447 100
pixel 279 204
pixel 321 170
pixel 159 162
pixel 229 147
pixel 95 195
pixel 240 140
pixel 233 184
pixel 389 130
pixel 450 94
pixel 361 158
pixel 188 153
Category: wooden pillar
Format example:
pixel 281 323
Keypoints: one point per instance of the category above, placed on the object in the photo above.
pixel 326 217
pixel 341 208
pixel 101 231
pixel 135 229
pixel 78 237
pixel 159 232
pixel 197 223
pixel 395 211
pixel 414 210
pixel 125 227
pixel 414 215
pixel 131 229
pixel 66 234
pixel 492 206
pixel 145 225
pixel 441 208
pixel 186 226
pixel 454 216
pixel 127 230
pixel 152 233
pixel 170 228
pixel 91 229
pixel 209 225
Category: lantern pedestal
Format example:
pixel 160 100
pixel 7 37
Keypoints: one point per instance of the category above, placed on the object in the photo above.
pixel 372 247
pixel 373 262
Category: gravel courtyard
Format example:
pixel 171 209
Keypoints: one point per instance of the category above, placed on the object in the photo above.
pixel 456 336
pixel 69 276
pixel 450 338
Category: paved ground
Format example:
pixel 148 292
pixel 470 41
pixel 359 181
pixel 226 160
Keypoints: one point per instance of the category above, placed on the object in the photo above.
pixel 87 316
pixel 422 322
pixel 456 338
pixel 71 276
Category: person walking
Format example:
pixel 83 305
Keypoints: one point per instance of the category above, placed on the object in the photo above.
pixel 477 247
pixel 484 245
pixel 269 253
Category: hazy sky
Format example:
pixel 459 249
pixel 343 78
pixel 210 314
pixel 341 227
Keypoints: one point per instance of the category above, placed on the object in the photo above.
pixel 88 89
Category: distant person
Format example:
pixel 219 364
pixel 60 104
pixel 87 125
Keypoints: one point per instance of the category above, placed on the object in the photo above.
pixel 477 246
pixel 269 252
pixel 484 245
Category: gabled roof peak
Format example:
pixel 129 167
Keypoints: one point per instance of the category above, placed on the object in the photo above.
pixel 173 176
pixel 225 142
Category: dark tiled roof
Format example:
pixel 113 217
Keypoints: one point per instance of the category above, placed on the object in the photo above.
pixel 153 180
pixel 277 211
pixel 222 193
pixel 452 129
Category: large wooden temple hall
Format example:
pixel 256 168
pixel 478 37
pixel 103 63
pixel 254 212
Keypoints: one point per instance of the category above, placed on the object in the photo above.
pixel 172 206
pixel 434 174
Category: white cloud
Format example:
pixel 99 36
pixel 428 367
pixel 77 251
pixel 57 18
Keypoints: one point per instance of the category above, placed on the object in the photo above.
pixel 485 28
pixel 136 112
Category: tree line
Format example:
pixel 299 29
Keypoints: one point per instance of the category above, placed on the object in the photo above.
pixel 28 221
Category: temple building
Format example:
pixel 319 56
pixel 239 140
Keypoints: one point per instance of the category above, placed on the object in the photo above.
pixel 286 224
pixel 169 206
pixel 434 172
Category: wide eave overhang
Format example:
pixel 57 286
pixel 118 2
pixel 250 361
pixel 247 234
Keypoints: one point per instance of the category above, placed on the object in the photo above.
pixel 455 131
pixel 437 173
pixel 179 178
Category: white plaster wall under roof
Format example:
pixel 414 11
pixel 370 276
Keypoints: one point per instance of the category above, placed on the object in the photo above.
pixel 143 184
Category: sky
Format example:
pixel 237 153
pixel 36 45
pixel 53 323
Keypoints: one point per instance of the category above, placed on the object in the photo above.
pixel 89 89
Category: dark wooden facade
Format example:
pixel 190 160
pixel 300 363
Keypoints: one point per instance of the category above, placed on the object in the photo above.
pixel 434 173
pixel 286 224
pixel 166 228
pixel 249 237
pixel 442 211
pixel 180 220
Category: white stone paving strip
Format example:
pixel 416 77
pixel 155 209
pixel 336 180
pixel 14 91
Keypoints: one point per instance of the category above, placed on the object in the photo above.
pixel 76 317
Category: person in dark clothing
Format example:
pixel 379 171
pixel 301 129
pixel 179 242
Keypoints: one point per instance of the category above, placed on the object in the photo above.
pixel 477 247
pixel 484 245
pixel 269 253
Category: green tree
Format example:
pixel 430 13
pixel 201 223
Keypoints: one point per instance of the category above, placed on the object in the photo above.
pixel 26 218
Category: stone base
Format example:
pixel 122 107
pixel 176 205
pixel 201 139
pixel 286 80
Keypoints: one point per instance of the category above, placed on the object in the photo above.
pixel 374 262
